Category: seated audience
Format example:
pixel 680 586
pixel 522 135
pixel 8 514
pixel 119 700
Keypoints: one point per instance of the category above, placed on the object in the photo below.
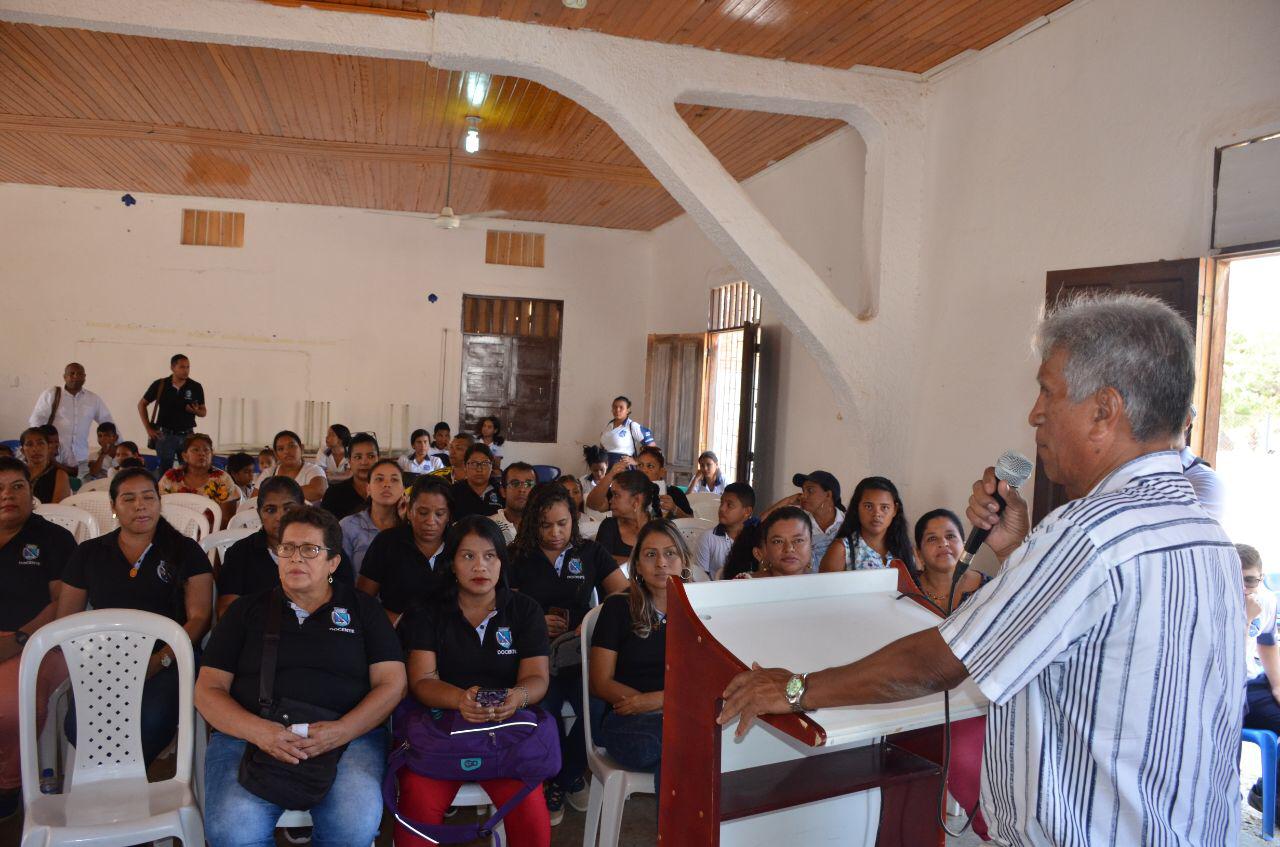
pixel 784 546
pixel 633 501
pixel 49 482
pixel 741 558
pixel 62 454
pixel 820 497
pixel 421 460
pixel 440 435
pixel 33 552
pixel 708 479
pixel 574 486
pixel 560 570
pixel 386 496
pixel 1262 689
pixel 672 501
pixel 240 469
pixel 339 666
pixel 491 437
pixel 623 436
pixel 629 650
pixel 288 462
pixel 250 565
pixel 458 447
pixel 873 533
pixel 597 466
pixel 131 462
pixel 100 466
pixel 737 508
pixel 7 452
pixel 351 495
pixel 266 459
pixel 518 480
pixel 400 564
pixel 145 564
pixel 475 494
pixel 940 541
pixel 125 451
pixel 335 456
pixel 449 665
pixel 197 475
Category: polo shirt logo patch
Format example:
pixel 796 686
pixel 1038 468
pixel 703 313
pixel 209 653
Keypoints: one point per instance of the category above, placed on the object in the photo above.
pixel 469 765
pixel 162 572
pixel 340 616
pixel 504 637
pixel 31 553
pixel 575 567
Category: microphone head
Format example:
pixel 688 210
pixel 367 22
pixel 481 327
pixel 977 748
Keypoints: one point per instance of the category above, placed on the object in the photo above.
pixel 1014 468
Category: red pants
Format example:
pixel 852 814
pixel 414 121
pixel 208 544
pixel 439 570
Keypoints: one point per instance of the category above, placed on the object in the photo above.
pixel 423 799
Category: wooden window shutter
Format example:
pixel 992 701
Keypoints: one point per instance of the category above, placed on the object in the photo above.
pixel 519 249
pixel 204 228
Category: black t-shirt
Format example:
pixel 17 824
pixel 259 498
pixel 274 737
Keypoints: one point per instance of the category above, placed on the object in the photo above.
pixel 342 499
pixel 608 537
pixel 248 567
pixel 403 574
pixel 324 661
pixel 641 661
pixel 582 569
pixel 173 413
pixel 516 631
pixel 99 567
pixel 680 499
pixel 30 561
pixel 467 502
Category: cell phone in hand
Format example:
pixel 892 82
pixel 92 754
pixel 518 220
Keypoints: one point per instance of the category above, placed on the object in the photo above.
pixel 491 698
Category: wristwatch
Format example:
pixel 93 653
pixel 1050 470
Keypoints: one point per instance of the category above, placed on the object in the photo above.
pixel 795 691
pixel 20 638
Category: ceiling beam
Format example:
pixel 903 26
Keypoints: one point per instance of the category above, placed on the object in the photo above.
pixel 488 160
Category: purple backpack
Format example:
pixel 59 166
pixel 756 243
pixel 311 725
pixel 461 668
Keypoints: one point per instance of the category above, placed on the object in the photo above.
pixel 440 744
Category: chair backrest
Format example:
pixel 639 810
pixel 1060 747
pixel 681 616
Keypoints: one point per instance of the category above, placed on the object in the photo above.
pixel 245 520
pixel 207 506
pixel 588 528
pixel 223 539
pixel 79 522
pixel 190 523
pixel 106 651
pixel 102 484
pixel 705 505
pixel 247 504
pixel 546 473
pixel 588 628
pixel 692 529
pixel 98 504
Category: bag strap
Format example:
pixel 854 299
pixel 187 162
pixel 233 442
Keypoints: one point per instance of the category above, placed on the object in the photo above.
pixel 57 401
pixel 155 410
pixel 270 651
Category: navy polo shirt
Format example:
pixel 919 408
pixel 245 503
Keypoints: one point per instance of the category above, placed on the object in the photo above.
pixel 467 502
pixel 404 575
pixel 583 569
pixel 516 631
pixel 30 561
pixel 641 662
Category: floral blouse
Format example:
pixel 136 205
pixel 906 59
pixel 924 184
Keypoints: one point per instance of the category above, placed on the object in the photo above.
pixel 220 487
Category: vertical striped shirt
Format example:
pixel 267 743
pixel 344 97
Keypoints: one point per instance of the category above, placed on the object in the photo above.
pixel 1109 646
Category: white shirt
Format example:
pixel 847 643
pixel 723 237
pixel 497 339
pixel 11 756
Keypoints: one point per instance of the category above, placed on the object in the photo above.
pixel 713 548
pixel 409 464
pixel 701 487
pixel 822 537
pixel 508 528
pixel 626 439
pixel 330 466
pixel 1207 484
pixel 1109 646
pixel 495 450
pixel 309 471
pixel 76 415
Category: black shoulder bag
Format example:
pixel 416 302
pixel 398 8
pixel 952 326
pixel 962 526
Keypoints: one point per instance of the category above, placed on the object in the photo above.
pixel 294 787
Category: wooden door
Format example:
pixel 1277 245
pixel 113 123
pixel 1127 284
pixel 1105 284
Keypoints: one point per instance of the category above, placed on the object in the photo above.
pixel 1177 282
pixel 673 389
pixel 534 389
pixel 747 417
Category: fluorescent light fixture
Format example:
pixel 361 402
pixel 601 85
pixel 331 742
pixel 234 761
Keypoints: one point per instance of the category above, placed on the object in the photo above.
pixel 477 88
pixel 471 141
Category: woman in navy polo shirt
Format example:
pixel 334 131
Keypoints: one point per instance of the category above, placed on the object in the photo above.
pixel 561 570
pixel 400 565
pixel 478 634
pixel 146 564
pixel 475 494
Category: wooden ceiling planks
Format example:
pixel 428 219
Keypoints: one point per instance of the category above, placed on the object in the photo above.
pixel 103 110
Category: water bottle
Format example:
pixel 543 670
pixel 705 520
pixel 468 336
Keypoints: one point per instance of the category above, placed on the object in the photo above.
pixel 49 782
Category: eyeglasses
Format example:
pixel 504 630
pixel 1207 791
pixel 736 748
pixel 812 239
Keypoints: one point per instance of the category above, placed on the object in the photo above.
pixel 308 551
pixel 522 483
pixel 650 556
pixel 1252 581
pixel 479 465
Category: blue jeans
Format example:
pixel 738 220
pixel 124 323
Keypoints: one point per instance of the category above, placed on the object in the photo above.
pixel 635 741
pixel 566 687
pixel 348 816
pixel 168 445
pixel 159 717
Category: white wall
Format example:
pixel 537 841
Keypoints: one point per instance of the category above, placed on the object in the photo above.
pixel 321 303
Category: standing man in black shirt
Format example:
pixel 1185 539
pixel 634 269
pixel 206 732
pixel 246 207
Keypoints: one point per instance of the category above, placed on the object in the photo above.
pixel 32 553
pixel 179 401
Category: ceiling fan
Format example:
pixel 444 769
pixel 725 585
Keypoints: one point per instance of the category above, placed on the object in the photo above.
pixel 445 218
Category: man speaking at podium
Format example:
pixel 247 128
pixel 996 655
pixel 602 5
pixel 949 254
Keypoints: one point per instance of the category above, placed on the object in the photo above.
pixel 1110 644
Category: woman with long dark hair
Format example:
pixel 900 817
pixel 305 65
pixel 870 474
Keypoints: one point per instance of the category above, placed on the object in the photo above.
pixel 287 450
pixel 491 436
pixel 940 541
pixel 708 479
pixel 874 532
pixel 335 457
pixel 633 501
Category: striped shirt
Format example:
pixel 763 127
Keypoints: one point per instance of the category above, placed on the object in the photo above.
pixel 1109 646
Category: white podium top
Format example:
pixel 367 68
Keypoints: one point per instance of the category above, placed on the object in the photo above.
pixel 815 621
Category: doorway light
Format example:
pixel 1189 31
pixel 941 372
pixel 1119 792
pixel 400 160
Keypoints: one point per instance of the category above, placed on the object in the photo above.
pixel 471 141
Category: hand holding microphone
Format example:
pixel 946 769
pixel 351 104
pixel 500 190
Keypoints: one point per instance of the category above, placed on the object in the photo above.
pixel 997 512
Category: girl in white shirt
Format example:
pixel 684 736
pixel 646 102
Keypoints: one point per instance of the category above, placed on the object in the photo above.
pixel 287 448
pixel 491 437
pixel 333 458
pixel 421 460
pixel 708 479
pixel 623 436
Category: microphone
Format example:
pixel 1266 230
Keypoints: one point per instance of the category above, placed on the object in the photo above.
pixel 1012 468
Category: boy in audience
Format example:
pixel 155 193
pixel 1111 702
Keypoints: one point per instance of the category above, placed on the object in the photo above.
pixel 458 448
pixel 737 510
pixel 440 443
pixel 101 465
pixel 518 480
pixel 240 468
pixel 63 457
pixel 1262 654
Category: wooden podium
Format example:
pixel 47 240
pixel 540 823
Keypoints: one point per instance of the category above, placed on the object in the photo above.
pixel 853 776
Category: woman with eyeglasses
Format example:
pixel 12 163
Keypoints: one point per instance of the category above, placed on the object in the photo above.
pixel 475 493
pixel 561 571
pixel 784 546
pixel 338 663
pixel 148 565
pixel 628 652
pixel 633 500
pixel 287 449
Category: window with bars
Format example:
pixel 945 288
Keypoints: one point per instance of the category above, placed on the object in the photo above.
pixel 511 365
pixel 733 306
pixel 731 386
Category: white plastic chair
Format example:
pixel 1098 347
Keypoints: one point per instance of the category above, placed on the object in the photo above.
pixel 207 506
pixel 705 505
pixel 98 504
pixel 245 520
pixel 103 484
pixel 106 798
pixel 611 784
pixel 223 539
pixel 588 528
pixel 191 524
pixel 247 504
pixel 691 529
pixel 79 522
